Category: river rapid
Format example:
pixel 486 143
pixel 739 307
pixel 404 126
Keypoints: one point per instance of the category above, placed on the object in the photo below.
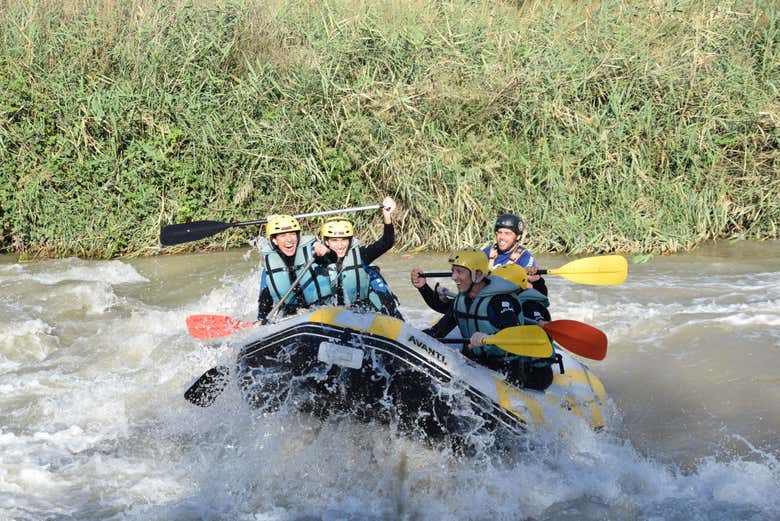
pixel 95 356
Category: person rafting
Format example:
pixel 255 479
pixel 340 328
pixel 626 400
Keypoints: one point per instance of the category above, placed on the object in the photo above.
pixel 485 305
pixel 506 249
pixel 291 261
pixel 534 304
pixel 354 282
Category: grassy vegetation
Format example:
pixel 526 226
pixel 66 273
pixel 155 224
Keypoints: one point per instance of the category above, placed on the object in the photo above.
pixel 609 126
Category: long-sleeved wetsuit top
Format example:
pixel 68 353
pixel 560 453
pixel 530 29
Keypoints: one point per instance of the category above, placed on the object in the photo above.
pixel 431 298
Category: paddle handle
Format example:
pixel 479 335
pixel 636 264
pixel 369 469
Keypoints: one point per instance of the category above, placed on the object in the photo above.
pixel 311 214
pixel 343 210
pixel 486 340
pixel 434 274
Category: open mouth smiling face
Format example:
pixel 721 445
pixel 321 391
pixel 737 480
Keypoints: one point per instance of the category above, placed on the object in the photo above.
pixel 338 244
pixel 505 238
pixel 462 278
pixel 286 242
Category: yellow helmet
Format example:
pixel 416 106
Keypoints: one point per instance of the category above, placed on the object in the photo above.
pixel 337 227
pixel 281 224
pixel 513 273
pixel 472 260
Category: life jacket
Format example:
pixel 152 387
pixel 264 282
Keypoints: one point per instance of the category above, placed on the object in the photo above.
pixel 380 291
pixel 349 280
pixel 361 285
pixel 530 295
pixel 515 252
pixel 315 284
pixel 476 318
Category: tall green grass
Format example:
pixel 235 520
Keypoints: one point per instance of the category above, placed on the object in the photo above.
pixel 609 126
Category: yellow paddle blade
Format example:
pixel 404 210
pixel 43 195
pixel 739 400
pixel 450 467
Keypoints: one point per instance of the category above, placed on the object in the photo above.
pixel 529 341
pixel 608 270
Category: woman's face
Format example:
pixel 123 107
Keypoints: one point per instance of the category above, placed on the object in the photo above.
pixel 287 242
pixel 338 244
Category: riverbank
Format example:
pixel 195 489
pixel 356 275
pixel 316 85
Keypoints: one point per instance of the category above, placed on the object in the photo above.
pixel 608 127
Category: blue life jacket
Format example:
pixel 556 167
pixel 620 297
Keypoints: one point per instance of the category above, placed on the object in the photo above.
pixel 360 284
pixel 278 277
pixel 349 280
pixel 517 255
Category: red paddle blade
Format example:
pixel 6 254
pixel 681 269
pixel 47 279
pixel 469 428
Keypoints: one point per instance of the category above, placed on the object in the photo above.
pixel 579 338
pixel 214 326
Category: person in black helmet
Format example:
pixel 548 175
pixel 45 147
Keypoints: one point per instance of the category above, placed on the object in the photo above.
pixel 507 249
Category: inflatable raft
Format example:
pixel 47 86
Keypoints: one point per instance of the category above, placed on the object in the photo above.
pixel 372 367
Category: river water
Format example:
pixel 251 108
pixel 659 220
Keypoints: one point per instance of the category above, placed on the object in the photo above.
pixel 95 356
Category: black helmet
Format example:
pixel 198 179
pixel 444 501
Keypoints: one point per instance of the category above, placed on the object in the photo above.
pixel 510 222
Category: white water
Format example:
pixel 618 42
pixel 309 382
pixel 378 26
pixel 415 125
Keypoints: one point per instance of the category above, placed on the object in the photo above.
pixel 94 358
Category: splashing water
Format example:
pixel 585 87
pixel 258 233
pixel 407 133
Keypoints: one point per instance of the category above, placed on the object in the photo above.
pixel 94 358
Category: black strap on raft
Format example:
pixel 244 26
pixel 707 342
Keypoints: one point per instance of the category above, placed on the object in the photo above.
pixel 559 361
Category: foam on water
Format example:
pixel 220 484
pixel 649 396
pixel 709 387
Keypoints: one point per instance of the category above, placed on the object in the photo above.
pixel 25 340
pixel 60 270
pixel 282 468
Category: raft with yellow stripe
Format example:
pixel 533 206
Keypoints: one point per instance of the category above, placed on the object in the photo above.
pixel 372 367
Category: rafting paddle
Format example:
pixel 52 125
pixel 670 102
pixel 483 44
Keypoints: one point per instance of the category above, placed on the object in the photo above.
pixel 577 337
pixel 606 270
pixel 193 231
pixel 528 341
pixel 210 385
pixel 214 326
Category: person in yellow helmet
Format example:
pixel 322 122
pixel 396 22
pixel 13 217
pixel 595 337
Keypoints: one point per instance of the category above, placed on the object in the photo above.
pixel 535 304
pixel 353 280
pixel 483 306
pixel 286 255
